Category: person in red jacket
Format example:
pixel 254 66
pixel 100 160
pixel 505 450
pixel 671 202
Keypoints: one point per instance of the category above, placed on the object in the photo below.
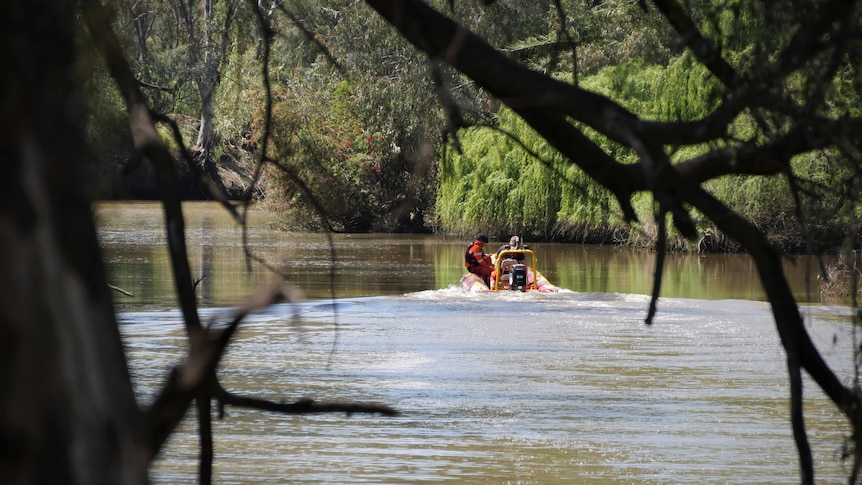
pixel 477 261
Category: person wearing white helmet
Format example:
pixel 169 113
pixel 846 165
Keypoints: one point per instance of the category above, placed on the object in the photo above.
pixel 514 243
pixel 511 258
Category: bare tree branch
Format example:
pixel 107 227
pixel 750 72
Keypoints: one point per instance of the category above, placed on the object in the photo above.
pixel 303 406
pixel 120 290
pixel 797 419
pixel 157 87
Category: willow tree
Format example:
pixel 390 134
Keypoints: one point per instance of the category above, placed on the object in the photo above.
pixel 801 54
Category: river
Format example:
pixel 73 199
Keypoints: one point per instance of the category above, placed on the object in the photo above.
pixel 506 388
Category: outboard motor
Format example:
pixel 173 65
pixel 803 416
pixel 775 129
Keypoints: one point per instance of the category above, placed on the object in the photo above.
pixel 518 275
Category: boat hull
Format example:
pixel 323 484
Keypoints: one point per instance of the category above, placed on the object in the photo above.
pixel 473 283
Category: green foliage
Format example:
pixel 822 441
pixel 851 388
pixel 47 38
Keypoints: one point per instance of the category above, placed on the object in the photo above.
pixel 502 186
pixel 684 90
pixel 503 23
pixel 107 121
pixel 389 92
pixel 239 98
pixel 614 32
pixel 106 127
pixel 352 167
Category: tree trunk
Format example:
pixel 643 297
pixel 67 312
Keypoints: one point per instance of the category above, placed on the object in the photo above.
pixel 67 409
pixel 213 51
pixel 205 134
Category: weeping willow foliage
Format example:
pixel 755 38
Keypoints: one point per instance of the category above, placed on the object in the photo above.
pixel 507 180
pixel 498 186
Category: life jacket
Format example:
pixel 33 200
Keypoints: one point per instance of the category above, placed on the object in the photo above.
pixel 469 259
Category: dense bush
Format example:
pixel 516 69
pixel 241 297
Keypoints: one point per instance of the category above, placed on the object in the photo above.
pixel 352 168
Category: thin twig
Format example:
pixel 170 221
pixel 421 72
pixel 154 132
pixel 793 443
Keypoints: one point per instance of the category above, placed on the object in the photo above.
pixel 119 290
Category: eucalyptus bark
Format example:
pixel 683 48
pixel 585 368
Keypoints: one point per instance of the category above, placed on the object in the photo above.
pixel 214 45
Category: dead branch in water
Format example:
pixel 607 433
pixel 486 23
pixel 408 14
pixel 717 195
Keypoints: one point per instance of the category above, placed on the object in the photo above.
pixel 119 290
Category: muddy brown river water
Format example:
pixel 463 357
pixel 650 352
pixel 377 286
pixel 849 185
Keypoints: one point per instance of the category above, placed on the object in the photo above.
pixel 506 388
